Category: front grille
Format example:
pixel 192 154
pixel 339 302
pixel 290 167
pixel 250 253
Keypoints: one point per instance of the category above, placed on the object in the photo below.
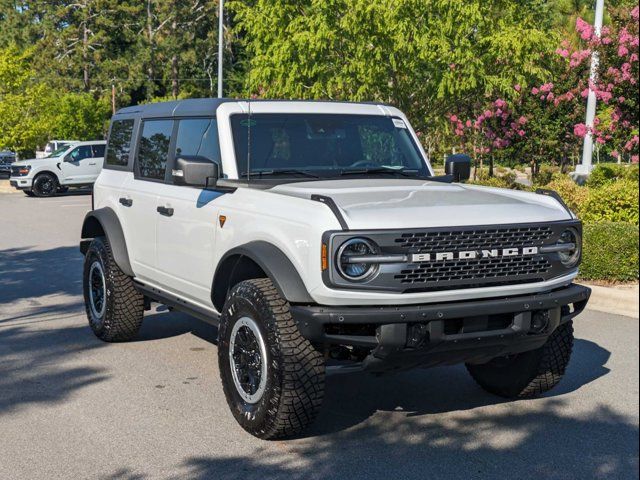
pixel 491 269
pixel 454 274
pixel 484 270
pixel 437 241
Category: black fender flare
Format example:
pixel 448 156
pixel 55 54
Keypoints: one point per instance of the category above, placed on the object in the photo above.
pixel 104 221
pixel 271 260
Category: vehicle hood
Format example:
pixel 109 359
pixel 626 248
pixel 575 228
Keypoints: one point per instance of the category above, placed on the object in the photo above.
pixel 407 203
pixel 32 161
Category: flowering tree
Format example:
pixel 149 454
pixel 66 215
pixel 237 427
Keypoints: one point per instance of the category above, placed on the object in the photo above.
pixel 544 123
pixel 493 129
pixel 616 83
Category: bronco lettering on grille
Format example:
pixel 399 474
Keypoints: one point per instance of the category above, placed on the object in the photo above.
pixel 473 254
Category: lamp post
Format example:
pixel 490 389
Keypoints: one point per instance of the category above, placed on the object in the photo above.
pixel 586 166
pixel 220 46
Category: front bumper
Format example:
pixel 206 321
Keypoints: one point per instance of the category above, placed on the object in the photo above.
pixel 471 331
pixel 20 183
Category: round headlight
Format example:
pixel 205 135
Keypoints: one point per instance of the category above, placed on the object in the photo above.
pixel 356 247
pixel 570 257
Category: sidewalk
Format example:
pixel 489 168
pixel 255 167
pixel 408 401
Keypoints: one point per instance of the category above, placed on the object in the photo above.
pixel 6 188
pixel 618 300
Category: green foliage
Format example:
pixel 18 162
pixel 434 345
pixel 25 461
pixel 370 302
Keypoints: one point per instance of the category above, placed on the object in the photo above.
pixel 573 194
pixel 415 54
pixel 610 252
pixel 545 175
pixel 79 116
pixel 506 180
pixel 31 112
pixel 609 172
pixel 614 202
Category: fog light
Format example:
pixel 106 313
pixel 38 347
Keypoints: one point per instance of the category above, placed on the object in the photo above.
pixel 540 321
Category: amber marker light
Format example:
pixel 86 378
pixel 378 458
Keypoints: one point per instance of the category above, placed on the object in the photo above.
pixel 222 219
pixel 325 261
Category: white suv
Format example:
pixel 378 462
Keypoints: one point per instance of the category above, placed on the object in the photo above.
pixel 75 165
pixel 317 238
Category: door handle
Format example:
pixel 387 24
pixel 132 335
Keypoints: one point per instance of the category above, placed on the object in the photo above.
pixel 127 202
pixel 92 163
pixel 165 211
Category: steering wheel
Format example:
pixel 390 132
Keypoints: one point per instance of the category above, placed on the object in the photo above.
pixel 364 163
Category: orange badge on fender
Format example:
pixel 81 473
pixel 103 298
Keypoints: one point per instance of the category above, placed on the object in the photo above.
pixel 222 219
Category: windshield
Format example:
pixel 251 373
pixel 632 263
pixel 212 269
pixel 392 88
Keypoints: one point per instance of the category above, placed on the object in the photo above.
pixel 324 145
pixel 58 152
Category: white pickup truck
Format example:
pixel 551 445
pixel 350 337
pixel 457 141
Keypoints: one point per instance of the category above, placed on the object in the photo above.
pixel 317 238
pixel 74 165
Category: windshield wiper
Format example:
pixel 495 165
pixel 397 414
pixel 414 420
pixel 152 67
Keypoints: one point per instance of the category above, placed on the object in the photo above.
pixel 261 173
pixel 405 172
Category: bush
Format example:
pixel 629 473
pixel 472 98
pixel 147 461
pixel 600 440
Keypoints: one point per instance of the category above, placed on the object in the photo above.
pixel 545 175
pixel 573 194
pixel 613 202
pixel 506 181
pixel 608 172
pixel 610 252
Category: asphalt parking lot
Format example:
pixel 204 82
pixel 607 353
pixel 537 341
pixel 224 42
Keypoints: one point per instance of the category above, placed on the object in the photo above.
pixel 72 407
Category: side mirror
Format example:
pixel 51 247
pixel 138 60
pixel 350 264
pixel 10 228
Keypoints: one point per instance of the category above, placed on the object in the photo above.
pixel 459 167
pixel 68 158
pixel 195 171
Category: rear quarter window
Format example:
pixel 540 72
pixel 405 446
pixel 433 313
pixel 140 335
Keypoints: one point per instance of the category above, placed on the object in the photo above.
pixel 119 145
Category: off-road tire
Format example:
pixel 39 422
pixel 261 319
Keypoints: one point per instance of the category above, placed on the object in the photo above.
pixel 124 305
pixel 295 372
pixel 45 185
pixel 528 374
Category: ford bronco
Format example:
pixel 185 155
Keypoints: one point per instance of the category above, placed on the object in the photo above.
pixel 317 238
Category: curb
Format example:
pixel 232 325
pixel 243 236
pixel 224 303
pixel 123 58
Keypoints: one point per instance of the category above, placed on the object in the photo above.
pixel 618 300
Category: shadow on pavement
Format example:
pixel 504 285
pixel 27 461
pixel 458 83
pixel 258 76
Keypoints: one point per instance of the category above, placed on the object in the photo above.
pixel 32 365
pixel 542 443
pixel 421 424
pixel 28 274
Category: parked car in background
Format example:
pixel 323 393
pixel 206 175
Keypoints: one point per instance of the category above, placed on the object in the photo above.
pixel 53 146
pixel 6 160
pixel 75 165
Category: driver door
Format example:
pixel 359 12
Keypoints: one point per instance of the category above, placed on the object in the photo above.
pixel 78 165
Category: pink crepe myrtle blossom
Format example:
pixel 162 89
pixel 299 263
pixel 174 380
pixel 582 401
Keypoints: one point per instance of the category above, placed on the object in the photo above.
pixel 584 29
pixel 580 130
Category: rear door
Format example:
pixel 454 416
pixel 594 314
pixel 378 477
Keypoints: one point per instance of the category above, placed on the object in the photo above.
pixel 186 238
pixel 140 194
pixel 96 162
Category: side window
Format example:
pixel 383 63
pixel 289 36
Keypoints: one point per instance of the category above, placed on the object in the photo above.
pixel 153 149
pixel 98 151
pixel 119 143
pixel 80 153
pixel 198 137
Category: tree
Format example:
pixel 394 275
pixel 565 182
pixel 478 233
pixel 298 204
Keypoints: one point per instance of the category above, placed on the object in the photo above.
pixel 423 56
